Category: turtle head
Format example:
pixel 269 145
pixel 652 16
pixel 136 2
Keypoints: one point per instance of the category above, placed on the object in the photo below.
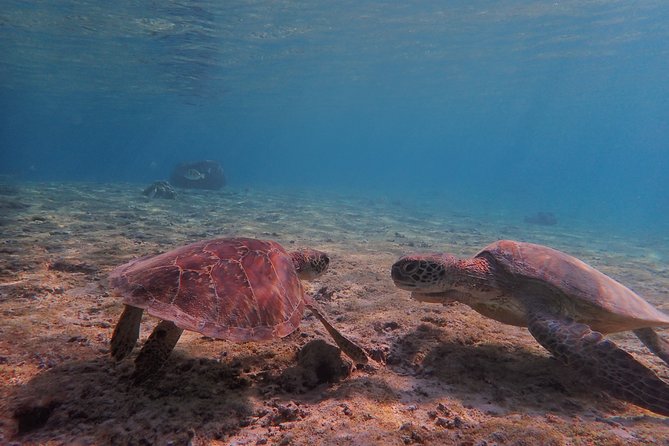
pixel 443 278
pixel 430 277
pixel 425 273
pixel 309 263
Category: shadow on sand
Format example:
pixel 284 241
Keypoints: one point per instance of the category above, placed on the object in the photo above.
pixel 504 377
pixel 93 402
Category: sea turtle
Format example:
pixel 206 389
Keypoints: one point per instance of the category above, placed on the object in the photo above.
pixel 239 289
pixel 566 304
pixel 160 189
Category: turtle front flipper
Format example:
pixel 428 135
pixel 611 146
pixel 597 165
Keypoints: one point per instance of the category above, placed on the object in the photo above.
pixel 591 354
pixel 352 350
pixel 126 332
pixel 654 342
pixel 156 350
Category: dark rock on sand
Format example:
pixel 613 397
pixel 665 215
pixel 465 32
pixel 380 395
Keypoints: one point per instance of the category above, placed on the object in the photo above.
pixel 318 363
pixel 206 174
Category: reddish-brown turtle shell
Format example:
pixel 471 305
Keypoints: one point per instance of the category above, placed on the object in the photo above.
pixel 617 306
pixel 237 289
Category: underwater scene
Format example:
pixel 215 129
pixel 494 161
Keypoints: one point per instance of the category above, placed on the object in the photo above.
pixel 334 223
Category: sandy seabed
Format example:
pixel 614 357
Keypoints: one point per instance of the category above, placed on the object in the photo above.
pixel 445 375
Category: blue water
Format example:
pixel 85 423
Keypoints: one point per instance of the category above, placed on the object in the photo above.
pixel 502 106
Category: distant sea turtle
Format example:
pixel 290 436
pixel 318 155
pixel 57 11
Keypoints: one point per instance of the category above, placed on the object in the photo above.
pixel 565 303
pixel 239 289
pixel 160 189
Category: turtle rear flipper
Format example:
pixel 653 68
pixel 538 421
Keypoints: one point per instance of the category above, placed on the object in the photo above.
pixel 591 354
pixel 654 342
pixel 352 350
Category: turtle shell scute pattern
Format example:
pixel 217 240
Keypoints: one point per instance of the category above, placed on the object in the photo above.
pixel 237 289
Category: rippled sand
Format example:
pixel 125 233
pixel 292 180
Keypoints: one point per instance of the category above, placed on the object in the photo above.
pixel 451 376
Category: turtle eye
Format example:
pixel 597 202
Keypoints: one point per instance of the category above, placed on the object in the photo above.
pixel 410 267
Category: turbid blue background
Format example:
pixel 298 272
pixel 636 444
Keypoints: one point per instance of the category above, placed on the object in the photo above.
pixel 505 106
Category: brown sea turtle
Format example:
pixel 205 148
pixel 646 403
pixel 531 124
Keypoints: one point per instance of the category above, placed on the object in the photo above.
pixel 239 289
pixel 160 189
pixel 566 304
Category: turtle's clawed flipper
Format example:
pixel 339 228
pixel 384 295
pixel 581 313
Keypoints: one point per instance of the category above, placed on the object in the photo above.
pixel 156 350
pixel 126 332
pixel 352 350
pixel 654 342
pixel 589 353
